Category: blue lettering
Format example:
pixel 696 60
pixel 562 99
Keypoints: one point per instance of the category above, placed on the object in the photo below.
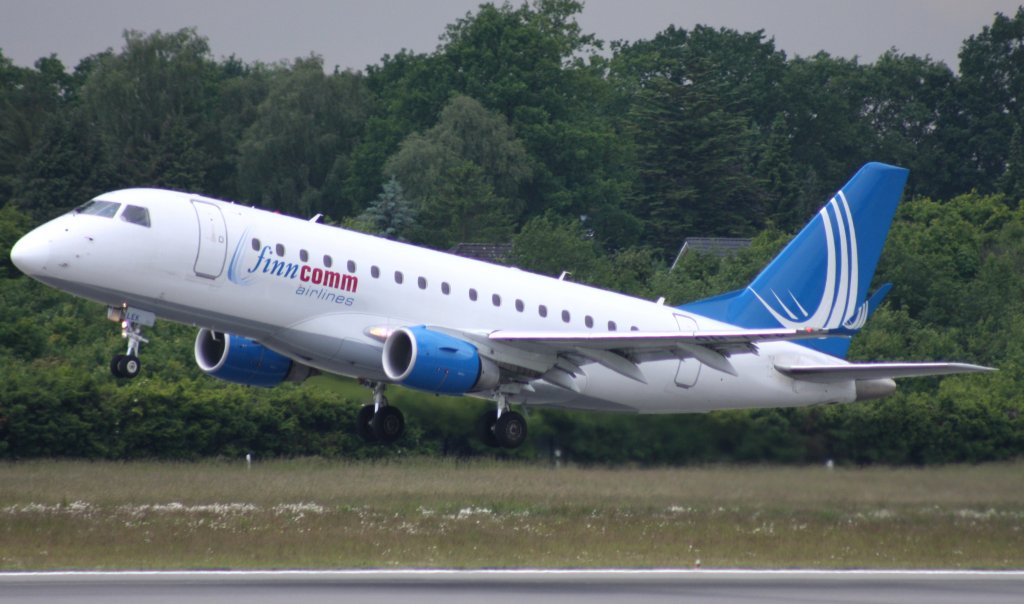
pixel 263 251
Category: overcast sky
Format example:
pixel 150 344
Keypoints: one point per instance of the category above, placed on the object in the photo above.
pixel 356 33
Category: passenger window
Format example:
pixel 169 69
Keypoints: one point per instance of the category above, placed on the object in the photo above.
pixel 328 261
pixel 542 310
pixel 399 277
pixel 445 288
pixel 280 249
pixel 496 299
pixel 304 255
pixel 520 306
pixel 612 326
pixel 634 328
pixel 375 271
pixel 588 321
pixel 351 266
pixel 422 282
pixel 106 209
pixel 255 244
pixel 565 316
pixel 472 294
pixel 136 215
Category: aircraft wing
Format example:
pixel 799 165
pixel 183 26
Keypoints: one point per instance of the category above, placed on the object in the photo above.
pixel 827 374
pixel 557 355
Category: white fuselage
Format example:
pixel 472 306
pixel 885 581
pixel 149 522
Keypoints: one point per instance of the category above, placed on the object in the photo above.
pixel 314 292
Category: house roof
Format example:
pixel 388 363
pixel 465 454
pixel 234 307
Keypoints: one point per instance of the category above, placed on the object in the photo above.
pixel 715 246
pixel 495 253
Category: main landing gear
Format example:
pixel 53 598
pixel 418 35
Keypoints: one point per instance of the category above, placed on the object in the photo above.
pixel 380 422
pixel 127 365
pixel 502 427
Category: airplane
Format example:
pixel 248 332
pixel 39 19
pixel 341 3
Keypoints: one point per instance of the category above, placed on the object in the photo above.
pixel 281 298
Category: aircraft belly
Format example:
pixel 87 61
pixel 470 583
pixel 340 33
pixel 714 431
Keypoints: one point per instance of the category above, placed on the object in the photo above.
pixel 759 386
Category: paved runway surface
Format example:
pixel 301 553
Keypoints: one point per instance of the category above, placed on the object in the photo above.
pixel 519 587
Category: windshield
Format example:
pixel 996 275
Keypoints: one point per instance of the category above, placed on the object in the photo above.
pixel 135 215
pixel 107 209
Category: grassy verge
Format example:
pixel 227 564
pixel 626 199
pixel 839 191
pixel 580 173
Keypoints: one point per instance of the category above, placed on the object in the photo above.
pixel 428 513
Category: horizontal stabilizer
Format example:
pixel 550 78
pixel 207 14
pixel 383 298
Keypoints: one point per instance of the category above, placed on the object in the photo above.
pixel 827 374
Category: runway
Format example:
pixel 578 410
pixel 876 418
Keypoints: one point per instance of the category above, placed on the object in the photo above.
pixel 519 587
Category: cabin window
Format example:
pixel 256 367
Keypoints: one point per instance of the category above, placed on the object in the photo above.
pixel 106 209
pixel 472 294
pixel 520 306
pixel 279 248
pixel 612 326
pixel 351 266
pixel 445 288
pixel 255 244
pixel 422 282
pixel 328 261
pixel 304 255
pixel 136 215
pixel 542 310
pixel 496 299
pixel 634 328
pixel 565 316
pixel 399 277
pixel 588 321
pixel 375 271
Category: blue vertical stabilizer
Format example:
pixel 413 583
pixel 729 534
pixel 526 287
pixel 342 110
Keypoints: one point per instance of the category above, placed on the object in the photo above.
pixel 821 278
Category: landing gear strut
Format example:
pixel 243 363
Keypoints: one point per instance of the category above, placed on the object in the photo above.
pixel 128 365
pixel 380 422
pixel 502 427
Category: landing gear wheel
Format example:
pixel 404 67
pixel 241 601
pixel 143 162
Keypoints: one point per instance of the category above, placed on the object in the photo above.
pixel 487 422
pixel 510 430
pixel 129 366
pixel 388 424
pixel 115 365
pixel 364 426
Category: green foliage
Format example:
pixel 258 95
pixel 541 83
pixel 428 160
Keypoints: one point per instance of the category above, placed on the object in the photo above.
pixel 464 174
pixel 520 127
pixel 391 214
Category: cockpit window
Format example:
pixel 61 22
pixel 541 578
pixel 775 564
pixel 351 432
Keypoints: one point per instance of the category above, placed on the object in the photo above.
pixel 106 209
pixel 135 215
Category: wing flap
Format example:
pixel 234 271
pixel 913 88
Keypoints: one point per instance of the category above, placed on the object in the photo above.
pixel 828 374
pixel 652 340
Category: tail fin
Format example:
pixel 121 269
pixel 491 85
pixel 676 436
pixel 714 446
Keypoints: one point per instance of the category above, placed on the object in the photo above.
pixel 821 278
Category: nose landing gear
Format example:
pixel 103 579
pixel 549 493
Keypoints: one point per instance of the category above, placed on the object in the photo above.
pixel 131 320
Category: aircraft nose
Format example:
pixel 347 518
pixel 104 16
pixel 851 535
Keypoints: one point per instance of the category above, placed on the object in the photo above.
pixel 31 253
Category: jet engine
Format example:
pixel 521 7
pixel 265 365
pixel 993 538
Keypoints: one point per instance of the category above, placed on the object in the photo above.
pixel 428 360
pixel 244 361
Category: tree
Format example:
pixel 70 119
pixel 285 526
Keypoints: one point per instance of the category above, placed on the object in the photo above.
pixel 391 214
pixel 464 175
pixel 695 164
pixel 991 90
pixel 149 108
pixel 1012 181
pixel 295 156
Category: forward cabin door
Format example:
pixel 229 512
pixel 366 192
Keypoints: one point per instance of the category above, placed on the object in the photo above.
pixel 213 240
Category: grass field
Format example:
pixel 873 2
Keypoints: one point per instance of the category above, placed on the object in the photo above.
pixel 430 513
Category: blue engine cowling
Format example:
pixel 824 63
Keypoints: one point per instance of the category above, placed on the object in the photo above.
pixel 241 360
pixel 428 360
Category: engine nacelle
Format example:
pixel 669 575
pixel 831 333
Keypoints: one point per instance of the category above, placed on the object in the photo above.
pixel 428 360
pixel 244 361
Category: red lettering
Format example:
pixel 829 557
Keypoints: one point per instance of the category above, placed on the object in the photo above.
pixel 318 276
pixel 304 273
